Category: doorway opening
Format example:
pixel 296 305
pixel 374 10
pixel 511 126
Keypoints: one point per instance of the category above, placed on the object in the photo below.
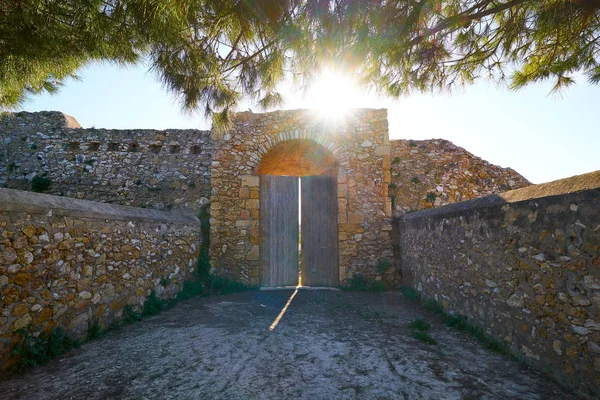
pixel 298 209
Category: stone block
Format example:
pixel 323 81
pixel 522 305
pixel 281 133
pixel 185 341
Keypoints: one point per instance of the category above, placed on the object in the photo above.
pixel 356 218
pixel 250 180
pixel 252 204
pixel 382 150
pixel 244 193
pixel 253 254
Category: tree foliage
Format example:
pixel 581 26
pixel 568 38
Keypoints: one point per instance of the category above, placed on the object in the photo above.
pixel 213 52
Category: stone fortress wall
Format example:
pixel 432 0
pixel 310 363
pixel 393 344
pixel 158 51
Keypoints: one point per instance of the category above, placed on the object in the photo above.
pixel 432 173
pixel 524 266
pixel 142 168
pixel 74 263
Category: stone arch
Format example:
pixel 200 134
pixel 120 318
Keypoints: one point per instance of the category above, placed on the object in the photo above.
pixel 298 157
pixel 301 135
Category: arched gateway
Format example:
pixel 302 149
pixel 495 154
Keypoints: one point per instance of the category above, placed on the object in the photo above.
pixel 298 215
pixel 285 179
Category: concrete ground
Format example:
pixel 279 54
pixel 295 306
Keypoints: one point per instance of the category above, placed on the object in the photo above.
pixel 328 345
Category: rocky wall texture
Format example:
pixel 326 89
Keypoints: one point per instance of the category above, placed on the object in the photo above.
pixel 73 263
pixel 142 168
pixel 361 149
pixel 432 173
pixel 524 265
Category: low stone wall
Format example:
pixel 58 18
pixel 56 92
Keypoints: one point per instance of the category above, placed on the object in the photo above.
pixel 137 167
pixel 73 263
pixel 524 265
pixel 432 173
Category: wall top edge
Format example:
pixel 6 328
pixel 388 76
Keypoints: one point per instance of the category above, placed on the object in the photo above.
pixel 586 183
pixel 19 201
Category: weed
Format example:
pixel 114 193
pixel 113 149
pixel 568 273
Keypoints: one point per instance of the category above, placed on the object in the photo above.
pixel 40 183
pixel 392 186
pixel 420 324
pixel 396 160
pixel 190 289
pixel 431 197
pixel 164 282
pixel 12 167
pixel 153 305
pixel 224 285
pixel 33 147
pixel 423 337
pixel 413 143
pixel 432 305
pixel 360 283
pixel 89 161
pixel 130 314
pixel 32 351
pixel 94 331
pixel 461 323
pixel 410 293
pixel 415 179
pixel 383 265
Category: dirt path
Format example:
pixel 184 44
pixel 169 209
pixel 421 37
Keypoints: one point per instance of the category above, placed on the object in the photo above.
pixel 328 345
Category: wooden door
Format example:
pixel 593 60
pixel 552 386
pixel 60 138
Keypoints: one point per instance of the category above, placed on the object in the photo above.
pixel 319 231
pixel 279 230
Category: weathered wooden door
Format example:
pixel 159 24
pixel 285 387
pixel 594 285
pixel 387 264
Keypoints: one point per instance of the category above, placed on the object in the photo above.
pixel 279 230
pixel 319 231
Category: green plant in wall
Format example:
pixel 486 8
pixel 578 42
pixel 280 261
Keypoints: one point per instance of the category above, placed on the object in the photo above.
pixel 32 350
pixel 415 179
pixel 383 265
pixel 40 183
pixel 396 160
pixel 412 143
pixel 12 167
pixel 360 283
pixel 431 197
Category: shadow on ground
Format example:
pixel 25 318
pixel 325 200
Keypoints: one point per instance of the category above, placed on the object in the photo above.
pixel 328 345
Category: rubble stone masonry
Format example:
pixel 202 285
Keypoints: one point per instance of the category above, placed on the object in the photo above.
pixel 137 167
pixel 524 266
pixel 74 263
pixel 432 173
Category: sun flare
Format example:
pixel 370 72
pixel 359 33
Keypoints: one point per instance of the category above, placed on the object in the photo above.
pixel 333 93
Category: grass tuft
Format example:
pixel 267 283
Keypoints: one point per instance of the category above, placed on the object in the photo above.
pixel 423 337
pixel 360 283
pixel 410 293
pixel 432 305
pixel 32 350
pixel 420 324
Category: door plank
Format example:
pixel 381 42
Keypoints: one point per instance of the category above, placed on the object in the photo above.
pixel 279 230
pixel 320 256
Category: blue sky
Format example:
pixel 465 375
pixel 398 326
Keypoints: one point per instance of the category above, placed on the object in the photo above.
pixel 544 137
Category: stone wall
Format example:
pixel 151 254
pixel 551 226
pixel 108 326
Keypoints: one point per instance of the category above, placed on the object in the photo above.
pixel 432 173
pixel 142 168
pixel 72 263
pixel 361 148
pixel 524 265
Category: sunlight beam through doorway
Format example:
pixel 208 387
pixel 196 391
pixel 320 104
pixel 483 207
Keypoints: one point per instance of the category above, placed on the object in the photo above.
pixel 274 324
